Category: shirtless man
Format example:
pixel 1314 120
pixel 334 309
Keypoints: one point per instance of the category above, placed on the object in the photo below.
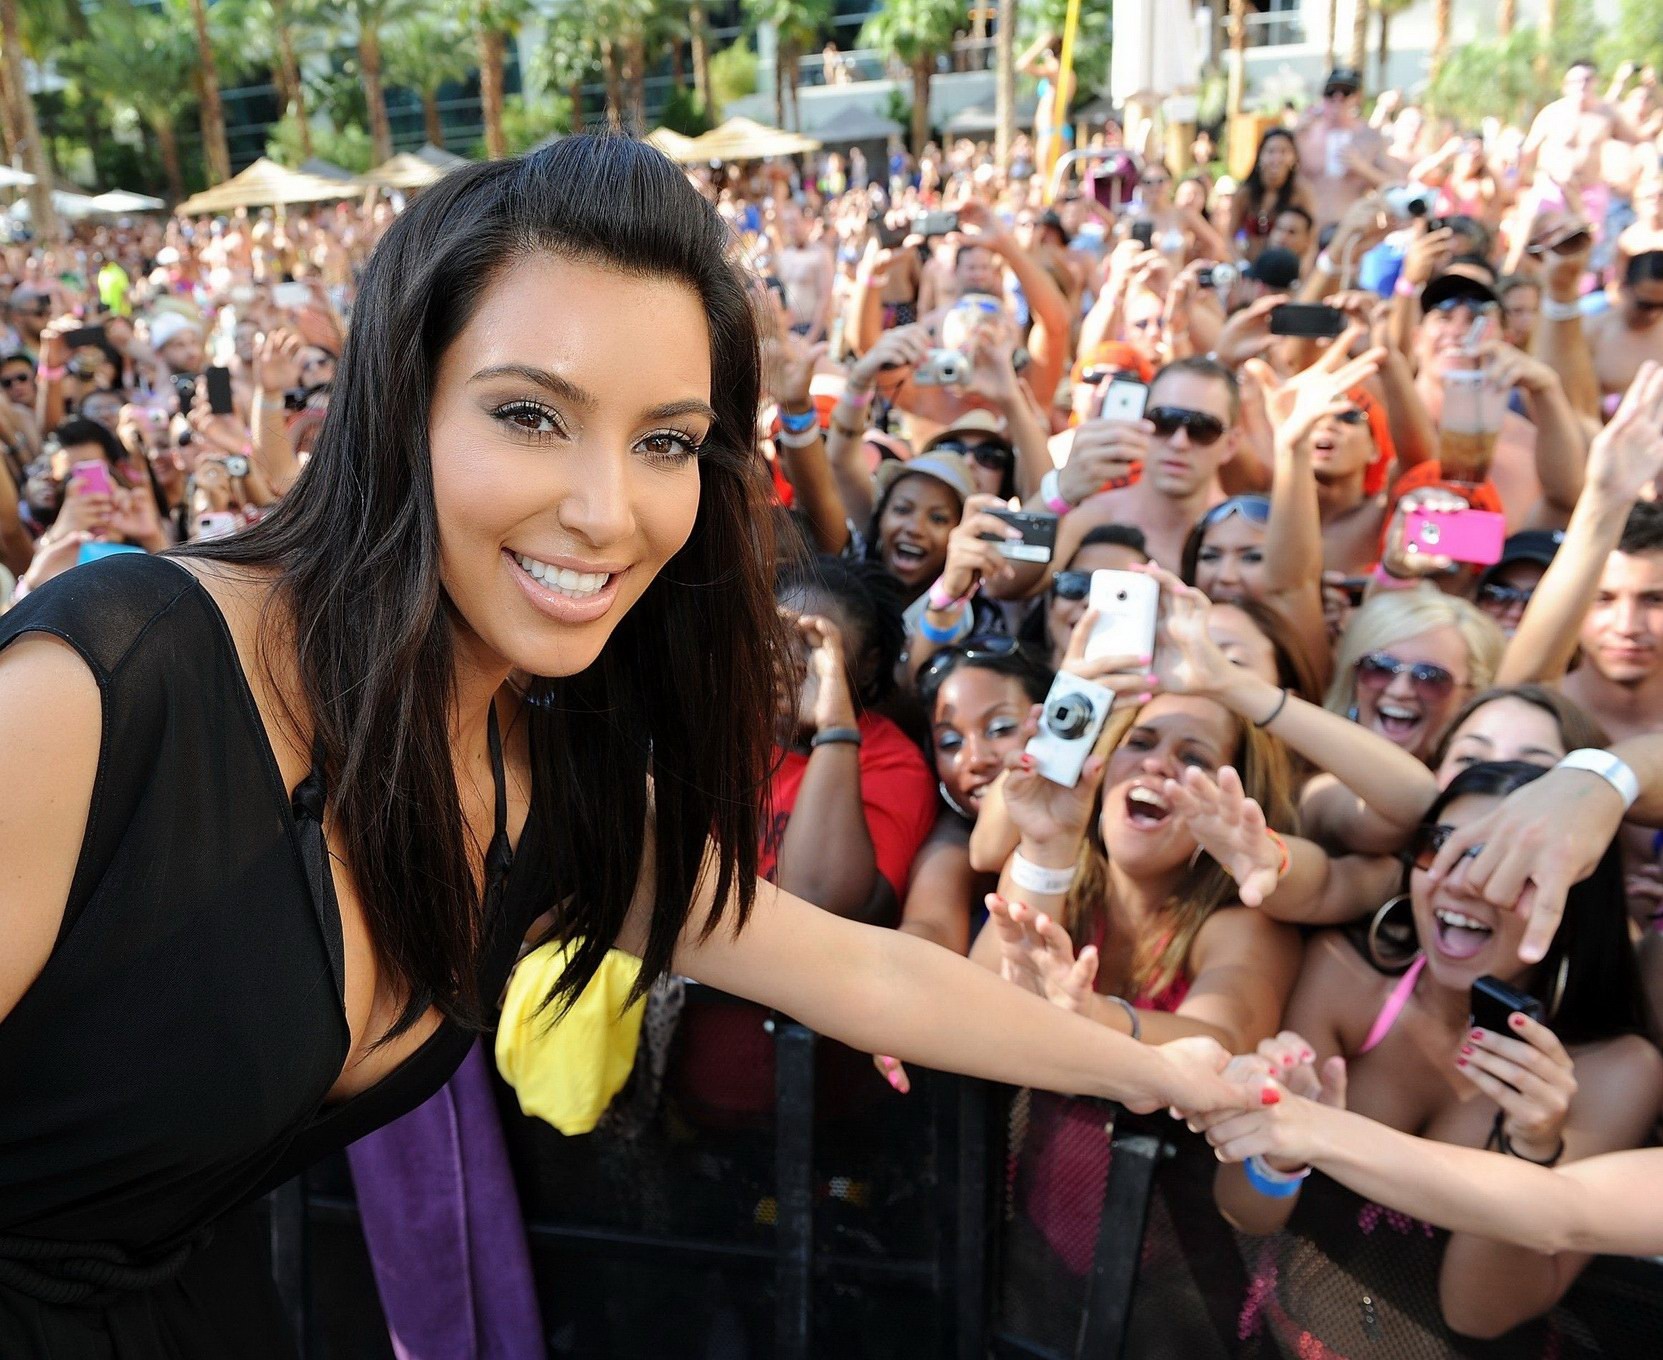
pixel 1340 156
pixel 1623 338
pixel 1562 150
pixel 806 270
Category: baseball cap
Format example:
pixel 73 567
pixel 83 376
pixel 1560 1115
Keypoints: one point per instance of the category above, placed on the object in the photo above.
pixel 1347 78
pixel 951 469
pixel 1459 281
pixel 976 422
pixel 1276 267
pixel 169 326
pixel 1528 545
pixel 1115 354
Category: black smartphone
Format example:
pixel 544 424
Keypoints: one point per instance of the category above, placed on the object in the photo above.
pixel 1308 320
pixel 84 335
pixel 184 390
pixel 1144 233
pixel 1493 1001
pixel 219 391
pixel 1039 535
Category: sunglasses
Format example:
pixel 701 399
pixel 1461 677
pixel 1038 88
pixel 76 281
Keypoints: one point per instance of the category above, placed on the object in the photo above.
pixel 17 379
pixel 1254 509
pixel 1477 306
pixel 987 647
pixel 1504 597
pixel 1355 416
pixel 1428 839
pixel 1568 245
pixel 994 457
pixel 1432 683
pixel 1071 585
pixel 1203 429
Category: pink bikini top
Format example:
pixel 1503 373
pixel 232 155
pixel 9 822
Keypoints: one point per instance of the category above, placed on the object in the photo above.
pixel 1394 1005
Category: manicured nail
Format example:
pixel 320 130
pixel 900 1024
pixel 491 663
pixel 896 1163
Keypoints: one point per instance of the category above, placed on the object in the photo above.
pixel 1460 1062
pixel 1476 1034
pixel 1516 1020
pixel 1270 1096
pixel 1287 1060
pixel 1308 1056
pixel 894 1079
pixel 1145 697
pixel 1466 1048
pixel 1145 660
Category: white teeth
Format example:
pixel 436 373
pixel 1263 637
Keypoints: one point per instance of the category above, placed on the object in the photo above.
pixel 1139 794
pixel 563 579
pixel 1401 714
pixel 1457 921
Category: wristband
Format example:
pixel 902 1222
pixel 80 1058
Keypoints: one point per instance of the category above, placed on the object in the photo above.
pixel 1270 1182
pixel 1275 713
pixel 1554 310
pixel 798 422
pixel 940 601
pixel 798 439
pixel 1131 1014
pixel 857 399
pixel 1281 845
pixel 942 637
pixel 1614 770
pixel 56 373
pixel 1404 289
pixel 1050 491
pixel 1036 878
pixel 836 736
pixel 1387 581
pixel 1325 262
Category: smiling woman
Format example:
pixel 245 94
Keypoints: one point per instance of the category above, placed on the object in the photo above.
pixel 277 814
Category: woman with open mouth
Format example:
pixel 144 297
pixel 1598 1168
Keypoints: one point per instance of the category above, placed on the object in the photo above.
pixel 1403 1049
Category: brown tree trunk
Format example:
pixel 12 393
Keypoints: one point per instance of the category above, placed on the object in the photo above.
pixel 614 84
pixel 1506 15
pixel 492 43
pixel 701 55
pixel 433 129
pixel 215 148
pixel 779 82
pixel 1236 88
pixel 1333 32
pixel 922 70
pixel 1440 37
pixel 678 68
pixel 43 217
pixel 1359 35
pixel 10 135
pixel 288 65
pixel 369 64
pixel 575 94
pixel 638 82
pixel 167 143
pixel 1004 84
pixel 1384 51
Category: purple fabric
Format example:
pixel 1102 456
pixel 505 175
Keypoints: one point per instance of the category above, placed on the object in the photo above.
pixel 442 1219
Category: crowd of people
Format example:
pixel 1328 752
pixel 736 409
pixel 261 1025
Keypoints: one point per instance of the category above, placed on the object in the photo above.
pixel 1379 427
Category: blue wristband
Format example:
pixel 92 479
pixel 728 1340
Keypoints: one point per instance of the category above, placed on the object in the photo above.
pixel 1270 1183
pixel 799 424
pixel 942 637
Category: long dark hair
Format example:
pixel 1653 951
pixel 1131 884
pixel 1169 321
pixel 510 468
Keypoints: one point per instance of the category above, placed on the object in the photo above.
pixel 1603 993
pixel 1254 184
pixel 355 545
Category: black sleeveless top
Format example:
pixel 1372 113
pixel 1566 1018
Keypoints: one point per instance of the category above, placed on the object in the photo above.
pixel 172 1060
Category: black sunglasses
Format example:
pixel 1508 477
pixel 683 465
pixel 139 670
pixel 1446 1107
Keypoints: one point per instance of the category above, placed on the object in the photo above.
pixel 994 457
pixel 1071 585
pixel 1203 429
pixel 986 647
pixel 1254 509
pixel 1432 683
pixel 1429 838
pixel 16 379
pixel 1504 596
pixel 1477 306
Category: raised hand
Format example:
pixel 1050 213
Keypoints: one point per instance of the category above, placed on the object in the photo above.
pixel 1323 389
pixel 826 699
pixel 1050 818
pixel 973 547
pixel 1036 954
pixel 902 348
pixel 1229 826
pixel 1397 559
pixel 1626 456
pixel 1123 674
pixel 277 360
pixel 1532 1078
pixel 1103 451
pixel 788 362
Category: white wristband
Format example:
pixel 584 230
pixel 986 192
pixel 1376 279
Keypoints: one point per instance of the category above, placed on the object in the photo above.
pixel 1553 310
pixel 1612 769
pixel 1036 878
pixel 1050 491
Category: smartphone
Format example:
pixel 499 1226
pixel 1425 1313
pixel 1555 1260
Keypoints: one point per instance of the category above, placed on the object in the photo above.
pixel 291 296
pixel 1474 536
pixel 935 223
pixel 1310 320
pixel 1124 400
pixel 95 552
pixel 1127 603
pixel 92 478
pixel 84 335
pixel 1493 1001
pixel 889 237
pixel 216 524
pixel 1039 535
pixel 219 391
pixel 1144 233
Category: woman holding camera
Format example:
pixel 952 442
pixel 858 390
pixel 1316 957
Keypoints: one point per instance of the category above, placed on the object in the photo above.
pixel 1554 1069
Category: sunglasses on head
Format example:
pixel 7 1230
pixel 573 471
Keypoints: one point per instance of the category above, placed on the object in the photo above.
pixel 1477 306
pixel 1432 683
pixel 1504 596
pixel 1254 509
pixel 994 457
pixel 1203 429
pixel 987 647
pixel 1071 585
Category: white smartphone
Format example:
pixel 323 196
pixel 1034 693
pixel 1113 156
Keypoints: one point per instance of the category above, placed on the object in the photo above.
pixel 291 296
pixel 1124 400
pixel 1127 604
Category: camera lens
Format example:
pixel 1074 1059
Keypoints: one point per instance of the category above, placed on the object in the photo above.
pixel 1069 716
pixel 1120 595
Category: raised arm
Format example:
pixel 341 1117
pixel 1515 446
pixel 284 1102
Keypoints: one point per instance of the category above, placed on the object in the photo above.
pixel 1560 341
pixel 1561 449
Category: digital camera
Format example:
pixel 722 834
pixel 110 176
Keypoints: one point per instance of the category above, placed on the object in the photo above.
pixel 1406 202
pixel 942 368
pixel 1074 713
pixel 1220 276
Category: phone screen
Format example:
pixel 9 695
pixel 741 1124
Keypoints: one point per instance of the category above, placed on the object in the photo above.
pixel 219 391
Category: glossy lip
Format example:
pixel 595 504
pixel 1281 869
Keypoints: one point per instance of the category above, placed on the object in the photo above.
pixel 576 564
pixel 563 608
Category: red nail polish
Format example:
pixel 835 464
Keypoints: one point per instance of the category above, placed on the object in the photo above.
pixel 1476 1034
pixel 1466 1048
pixel 1460 1062
pixel 1270 1096
pixel 1516 1020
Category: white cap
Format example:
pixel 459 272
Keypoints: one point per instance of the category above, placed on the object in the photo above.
pixel 168 326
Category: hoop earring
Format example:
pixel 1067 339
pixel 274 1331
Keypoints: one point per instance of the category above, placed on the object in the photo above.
pixel 1377 923
pixel 1559 981
pixel 947 798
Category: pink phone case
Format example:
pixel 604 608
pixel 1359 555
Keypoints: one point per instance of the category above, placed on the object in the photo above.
pixel 92 478
pixel 1474 536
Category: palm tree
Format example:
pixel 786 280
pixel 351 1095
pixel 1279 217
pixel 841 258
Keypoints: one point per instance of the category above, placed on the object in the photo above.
pixel 1236 90
pixel 797 27
pixel 271 36
pixel 1359 35
pixel 1333 32
pixel 1004 83
pixel 365 21
pixel 135 56
pixel 1387 10
pixel 698 24
pixel 569 55
pixel 1440 36
pixel 916 32
pixel 41 212
pixel 425 54
pixel 494 22
pixel 214 145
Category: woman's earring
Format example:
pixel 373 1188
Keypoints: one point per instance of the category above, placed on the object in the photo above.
pixel 1351 713
pixel 1377 926
pixel 1560 979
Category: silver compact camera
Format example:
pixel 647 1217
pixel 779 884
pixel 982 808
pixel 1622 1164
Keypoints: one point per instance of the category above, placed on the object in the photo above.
pixel 942 368
pixel 1405 202
pixel 1074 713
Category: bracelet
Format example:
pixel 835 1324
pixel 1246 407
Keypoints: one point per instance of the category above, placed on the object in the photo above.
pixel 798 422
pixel 1036 878
pixel 790 440
pixel 836 736
pixel 1613 769
pixel 1131 1014
pixel 1270 1182
pixel 55 373
pixel 1275 713
pixel 1503 1144
pixel 1388 581
pixel 940 601
pixel 1282 845
pixel 859 400
pixel 941 637
pixel 1050 491
pixel 1404 289
pixel 1554 310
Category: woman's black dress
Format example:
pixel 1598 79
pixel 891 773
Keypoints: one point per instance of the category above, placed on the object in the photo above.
pixel 172 1060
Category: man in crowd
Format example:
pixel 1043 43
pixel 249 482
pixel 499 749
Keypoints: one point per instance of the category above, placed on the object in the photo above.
pixel 1340 155
pixel 1564 146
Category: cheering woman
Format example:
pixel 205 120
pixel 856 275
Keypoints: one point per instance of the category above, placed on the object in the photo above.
pixel 277 814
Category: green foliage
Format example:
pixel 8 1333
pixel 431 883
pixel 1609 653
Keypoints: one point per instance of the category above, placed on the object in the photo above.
pixel 528 123
pixel 1501 78
pixel 1636 36
pixel 732 74
pixel 1092 41
pixel 914 30
pixel 426 53
pixel 801 24
pixel 348 147
pixel 684 114
pixel 897 107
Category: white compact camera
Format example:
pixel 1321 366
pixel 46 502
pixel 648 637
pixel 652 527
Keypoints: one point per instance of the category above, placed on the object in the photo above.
pixel 942 368
pixel 1075 711
pixel 1405 202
